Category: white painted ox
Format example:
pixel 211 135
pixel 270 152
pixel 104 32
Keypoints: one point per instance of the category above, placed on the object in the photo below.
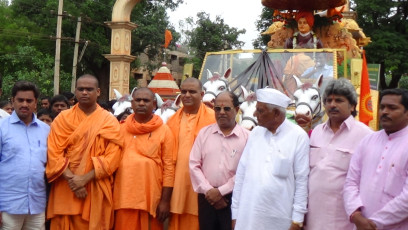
pixel 307 97
pixel 246 118
pixel 122 103
pixel 168 109
pixel 215 84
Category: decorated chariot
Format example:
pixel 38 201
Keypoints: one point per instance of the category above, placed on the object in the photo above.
pixel 312 42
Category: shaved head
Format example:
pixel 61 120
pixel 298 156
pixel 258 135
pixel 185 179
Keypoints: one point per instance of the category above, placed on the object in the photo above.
pixel 90 76
pixel 145 89
pixel 194 81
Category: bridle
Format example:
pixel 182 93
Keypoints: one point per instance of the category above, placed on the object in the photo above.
pixel 317 112
pixel 250 119
pixel 212 93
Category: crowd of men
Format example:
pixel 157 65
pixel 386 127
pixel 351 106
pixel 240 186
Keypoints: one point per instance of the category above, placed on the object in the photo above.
pixel 201 170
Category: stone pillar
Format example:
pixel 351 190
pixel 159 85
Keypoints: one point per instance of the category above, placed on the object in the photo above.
pixel 120 57
pixel 121 41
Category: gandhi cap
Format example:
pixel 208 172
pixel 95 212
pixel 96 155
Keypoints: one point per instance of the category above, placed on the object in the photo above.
pixel 272 96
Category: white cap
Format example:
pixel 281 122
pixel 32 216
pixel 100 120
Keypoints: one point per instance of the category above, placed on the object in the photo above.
pixel 272 96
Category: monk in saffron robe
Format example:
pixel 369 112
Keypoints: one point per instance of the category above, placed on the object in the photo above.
pixel 84 150
pixel 185 125
pixel 144 180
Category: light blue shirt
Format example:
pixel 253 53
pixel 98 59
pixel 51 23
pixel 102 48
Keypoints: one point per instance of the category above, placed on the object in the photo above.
pixel 23 156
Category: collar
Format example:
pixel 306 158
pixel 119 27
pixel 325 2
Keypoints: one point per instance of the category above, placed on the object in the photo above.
pixel 280 128
pixel 15 119
pixel 304 34
pixel 348 123
pixel 216 129
pixel 402 132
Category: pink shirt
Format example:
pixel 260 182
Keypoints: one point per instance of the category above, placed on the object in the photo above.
pixel 330 155
pixel 377 180
pixel 214 158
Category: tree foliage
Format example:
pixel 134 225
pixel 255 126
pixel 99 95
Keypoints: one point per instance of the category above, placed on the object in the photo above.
pixel 386 22
pixel 210 36
pixel 262 24
pixel 30 64
pixel 37 20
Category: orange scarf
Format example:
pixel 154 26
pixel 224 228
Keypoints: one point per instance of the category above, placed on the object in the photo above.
pixel 134 127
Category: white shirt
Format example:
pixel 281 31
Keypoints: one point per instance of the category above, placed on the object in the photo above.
pixel 3 114
pixel 271 181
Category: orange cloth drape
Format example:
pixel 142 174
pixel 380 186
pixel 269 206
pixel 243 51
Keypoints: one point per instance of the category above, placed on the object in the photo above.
pixel 185 128
pixel 146 167
pixel 366 107
pixel 84 142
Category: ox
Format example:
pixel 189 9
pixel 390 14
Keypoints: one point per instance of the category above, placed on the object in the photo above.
pixel 307 97
pixel 168 108
pixel 246 117
pixel 215 84
pixel 307 100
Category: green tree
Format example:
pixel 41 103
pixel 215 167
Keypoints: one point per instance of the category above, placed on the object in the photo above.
pixel 30 64
pixel 149 15
pixel 210 36
pixel 386 22
pixel 262 24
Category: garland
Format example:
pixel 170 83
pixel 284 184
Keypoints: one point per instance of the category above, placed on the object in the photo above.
pixel 295 39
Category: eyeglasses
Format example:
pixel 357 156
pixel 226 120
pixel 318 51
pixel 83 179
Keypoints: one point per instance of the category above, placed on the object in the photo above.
pixel 218 109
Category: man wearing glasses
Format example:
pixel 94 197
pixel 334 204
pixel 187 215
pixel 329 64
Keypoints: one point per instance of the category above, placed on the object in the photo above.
pixel 213 161
pixel 185 125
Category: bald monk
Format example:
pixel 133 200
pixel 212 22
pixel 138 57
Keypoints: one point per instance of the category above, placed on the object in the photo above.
pixel 185 125
pixel 84 150
pixel 145 178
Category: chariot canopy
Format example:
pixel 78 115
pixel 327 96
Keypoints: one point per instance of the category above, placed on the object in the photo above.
pixel 309 5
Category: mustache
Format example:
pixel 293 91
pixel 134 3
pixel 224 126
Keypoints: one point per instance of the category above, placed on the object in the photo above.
pixel 385 117
pixel 334 110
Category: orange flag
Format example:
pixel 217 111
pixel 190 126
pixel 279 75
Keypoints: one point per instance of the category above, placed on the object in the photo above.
pixel 366 107
pixel 167 38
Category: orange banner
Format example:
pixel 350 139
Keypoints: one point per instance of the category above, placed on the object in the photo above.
pixel 167 38
pixel 366 107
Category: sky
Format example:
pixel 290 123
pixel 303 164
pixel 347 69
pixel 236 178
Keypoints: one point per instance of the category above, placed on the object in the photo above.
pixel 241 14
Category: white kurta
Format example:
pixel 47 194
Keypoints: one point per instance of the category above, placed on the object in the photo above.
pixel 271 181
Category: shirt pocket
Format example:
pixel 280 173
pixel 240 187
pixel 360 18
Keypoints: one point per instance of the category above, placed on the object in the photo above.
pixel 281 167
pixel 341 158
pixel 395 181
pixel 315 155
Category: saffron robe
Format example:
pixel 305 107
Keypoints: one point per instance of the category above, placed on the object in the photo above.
pixel 146 167
pixel 82 143
pixel 185 128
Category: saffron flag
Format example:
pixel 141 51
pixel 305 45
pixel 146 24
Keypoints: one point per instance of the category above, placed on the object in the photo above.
pixel 167 38
pixel 366 107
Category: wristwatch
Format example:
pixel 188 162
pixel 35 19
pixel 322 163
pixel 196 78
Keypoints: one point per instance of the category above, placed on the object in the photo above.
pixel 297 223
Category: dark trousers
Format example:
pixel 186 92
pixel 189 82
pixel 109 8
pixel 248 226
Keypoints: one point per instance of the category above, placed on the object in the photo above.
pixel 210 218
